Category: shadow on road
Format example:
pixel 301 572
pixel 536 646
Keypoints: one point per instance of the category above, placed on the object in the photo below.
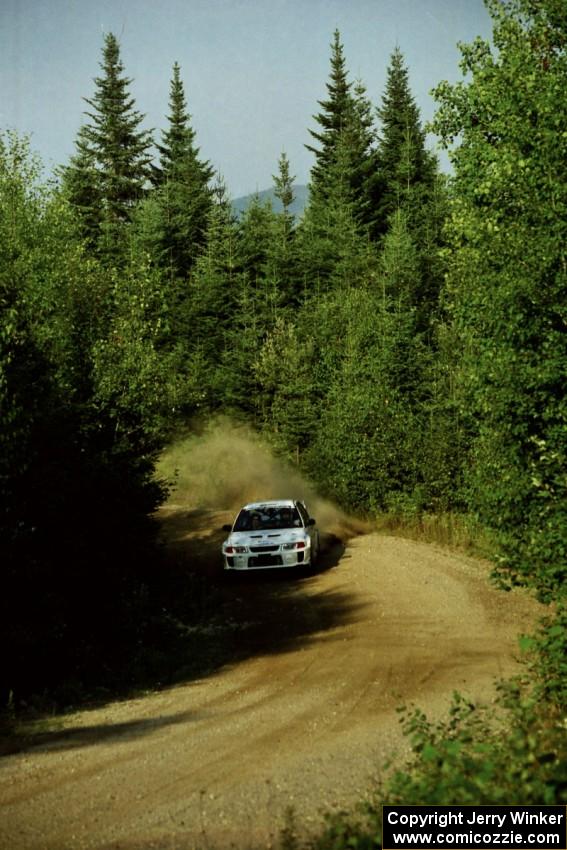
pixel 102 733
pixel 209 619
pixel 259 612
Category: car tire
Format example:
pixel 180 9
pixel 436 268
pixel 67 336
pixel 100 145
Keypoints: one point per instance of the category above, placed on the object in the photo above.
pixel 315 553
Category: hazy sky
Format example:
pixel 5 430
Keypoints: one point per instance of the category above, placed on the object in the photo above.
pixel 253 69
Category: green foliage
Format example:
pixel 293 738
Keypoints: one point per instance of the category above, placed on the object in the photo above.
pixel 546 655
pixel 403 170
pixel 287 396
pixel 496 381
pixel 82 187
pixel 132 298
pixel 466 760
pixel 181 201
pixel 463 759
pixel 110 170
pixel 83 396
pixel 255 237
pixel 345 137
pixel 365 445
pixel 360 403
pixel 507 283
pixel 135 375
pixel 399 262
pixel 283 184
pixel 333 249
pixel 334 115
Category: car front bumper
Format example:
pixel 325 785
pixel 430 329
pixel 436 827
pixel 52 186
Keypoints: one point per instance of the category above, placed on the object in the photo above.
pixel 268 560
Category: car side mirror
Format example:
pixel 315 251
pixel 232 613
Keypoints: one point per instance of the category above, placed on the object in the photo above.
pixel 311 521
pixel 227 528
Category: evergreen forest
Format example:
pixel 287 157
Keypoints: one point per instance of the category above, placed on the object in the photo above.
pixel 403 342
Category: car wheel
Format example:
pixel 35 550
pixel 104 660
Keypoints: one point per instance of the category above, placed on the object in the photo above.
pixel 315 552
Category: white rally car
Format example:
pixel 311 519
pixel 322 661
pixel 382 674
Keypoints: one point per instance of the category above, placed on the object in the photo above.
pixel 271 534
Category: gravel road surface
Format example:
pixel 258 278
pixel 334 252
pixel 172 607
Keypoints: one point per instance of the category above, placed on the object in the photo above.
pixel 304 719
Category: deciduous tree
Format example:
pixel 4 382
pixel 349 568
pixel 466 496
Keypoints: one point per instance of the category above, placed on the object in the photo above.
pixel 507 282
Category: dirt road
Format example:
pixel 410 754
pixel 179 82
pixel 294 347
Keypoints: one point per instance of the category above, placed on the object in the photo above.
pixel 305 718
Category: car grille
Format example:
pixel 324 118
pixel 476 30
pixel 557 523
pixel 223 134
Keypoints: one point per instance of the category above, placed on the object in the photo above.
pixel 265 561
pixel 264 548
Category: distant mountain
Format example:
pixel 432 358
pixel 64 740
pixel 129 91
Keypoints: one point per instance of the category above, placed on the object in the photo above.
pixel 239 205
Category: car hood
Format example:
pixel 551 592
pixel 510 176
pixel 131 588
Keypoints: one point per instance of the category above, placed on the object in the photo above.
pixel 265 538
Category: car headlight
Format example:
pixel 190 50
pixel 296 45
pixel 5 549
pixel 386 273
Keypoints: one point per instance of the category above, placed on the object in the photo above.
pixel 235 550
pixel 297 544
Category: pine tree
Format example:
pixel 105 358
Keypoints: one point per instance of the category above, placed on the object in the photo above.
pixel 283 186
pixel 402 165
pixel 213 292
pixel 346 123
pixel 282 255
pixel 359 142
pixel 183 194
pixel 345 140
pixel 256 232
pixel 286 388
pixel 82 188
pixel 112 163
pixel 331 243
pixel 333 118
pixel 403 184
pixel 399 262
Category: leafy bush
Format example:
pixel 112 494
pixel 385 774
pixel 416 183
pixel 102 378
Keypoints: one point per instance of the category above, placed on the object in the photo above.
pixel 546 655
pixel 465 759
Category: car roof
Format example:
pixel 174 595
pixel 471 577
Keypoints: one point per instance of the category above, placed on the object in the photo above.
pixel 270 503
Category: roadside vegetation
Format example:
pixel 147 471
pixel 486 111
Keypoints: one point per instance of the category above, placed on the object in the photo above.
pixel 404 344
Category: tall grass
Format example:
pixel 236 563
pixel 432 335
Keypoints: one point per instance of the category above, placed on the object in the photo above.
pixel 455 531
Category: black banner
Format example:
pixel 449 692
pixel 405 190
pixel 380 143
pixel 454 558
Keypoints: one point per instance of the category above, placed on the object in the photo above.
pixel 479 827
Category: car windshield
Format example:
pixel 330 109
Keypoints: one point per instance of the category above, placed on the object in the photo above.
pixel 268 517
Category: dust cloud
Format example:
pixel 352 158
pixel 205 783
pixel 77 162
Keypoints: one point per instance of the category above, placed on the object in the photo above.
pixel 227 464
